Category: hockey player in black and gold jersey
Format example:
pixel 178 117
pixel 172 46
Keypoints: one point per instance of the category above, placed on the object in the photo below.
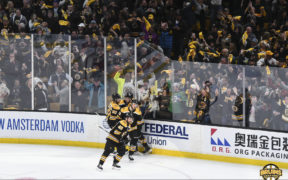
pixel 113 110
pixel 127 100
pixel 135 130
pixel 116 138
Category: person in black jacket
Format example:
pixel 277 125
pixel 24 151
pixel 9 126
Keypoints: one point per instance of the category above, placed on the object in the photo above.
pixel 40 99
pixel 203 104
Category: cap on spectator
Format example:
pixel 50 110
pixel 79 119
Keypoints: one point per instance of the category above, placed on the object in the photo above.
pixel 269 53
pixel 151 16
pixel 81 25
pixel 93 22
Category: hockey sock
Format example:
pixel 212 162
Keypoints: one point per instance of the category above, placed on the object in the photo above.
pixel 117 158
pixel 102 159
pixel 132 150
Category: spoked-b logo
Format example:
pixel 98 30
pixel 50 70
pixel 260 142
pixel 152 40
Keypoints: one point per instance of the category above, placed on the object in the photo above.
pixel 219 143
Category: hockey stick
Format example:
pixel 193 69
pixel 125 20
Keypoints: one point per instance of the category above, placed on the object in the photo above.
pixel 102 128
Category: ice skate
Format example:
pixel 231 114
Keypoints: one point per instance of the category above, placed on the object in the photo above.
pixel 100 168
pixel 116 166
pixel 130 157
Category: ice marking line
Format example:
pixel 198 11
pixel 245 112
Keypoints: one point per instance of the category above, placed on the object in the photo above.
pixel 166 136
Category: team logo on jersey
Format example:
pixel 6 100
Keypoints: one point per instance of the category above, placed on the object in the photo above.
pixel 270 171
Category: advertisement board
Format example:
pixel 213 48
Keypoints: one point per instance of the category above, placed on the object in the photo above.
pixel 166 138
pixel 52 126
pixel 171 135
pixel 243 143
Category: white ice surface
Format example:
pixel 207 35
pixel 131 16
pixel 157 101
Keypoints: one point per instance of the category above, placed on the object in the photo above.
pixel 19 161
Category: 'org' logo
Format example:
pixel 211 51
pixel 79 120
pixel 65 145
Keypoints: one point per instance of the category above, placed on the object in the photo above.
pixel 216 141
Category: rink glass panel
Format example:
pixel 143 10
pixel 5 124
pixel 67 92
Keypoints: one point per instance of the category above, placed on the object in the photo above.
pixel 269 93
pixel 188 80
pixel 173 85
pixel 153 82
pixel 51 68
pixel 87 71
pixel 120 60
pixel 15 74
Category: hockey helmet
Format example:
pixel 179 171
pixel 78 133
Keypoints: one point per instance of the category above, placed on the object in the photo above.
pixel 129 95
pixel 129 115
pixel 115 96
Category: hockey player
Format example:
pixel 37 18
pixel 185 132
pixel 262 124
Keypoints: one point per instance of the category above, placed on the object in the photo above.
pixel 135 130
pixel 127 100
pixel 116 138
pixel 113 110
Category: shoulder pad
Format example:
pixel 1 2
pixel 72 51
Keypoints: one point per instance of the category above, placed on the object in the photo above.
pixel 124 110
pixel 138 112
pixel 121 102
pixel 115 106
pixel 124 123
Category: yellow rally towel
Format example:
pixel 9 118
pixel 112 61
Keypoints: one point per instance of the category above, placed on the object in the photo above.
pixel 167 71
pixel 268 70
pixel 116 26
pixel 65 15
pixel 180 59
pixel 244 37
pixel 238 18
pixel 147 24
pixel 191 53
pixel 201 35
pixel 90 2
pixel 139 43
pixel 63 23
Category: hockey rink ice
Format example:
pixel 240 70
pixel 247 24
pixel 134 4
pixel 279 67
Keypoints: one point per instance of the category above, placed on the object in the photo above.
pixel 21 161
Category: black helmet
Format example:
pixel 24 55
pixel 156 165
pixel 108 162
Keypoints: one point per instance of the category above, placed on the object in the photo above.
pixel 134 101
pixel 129 95
pixel 129 115
pixel 115 96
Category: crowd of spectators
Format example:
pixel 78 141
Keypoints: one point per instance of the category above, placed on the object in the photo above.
pixel 179 43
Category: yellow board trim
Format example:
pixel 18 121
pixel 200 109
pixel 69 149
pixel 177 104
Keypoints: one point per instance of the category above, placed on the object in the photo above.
pixel 218 158
pixel 154 151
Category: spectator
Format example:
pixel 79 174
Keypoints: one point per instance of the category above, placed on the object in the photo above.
pixel 15 96
pixel 166 39
pixel 41 97
pixel 96 95
pixel 268 60
pixel 17 19
pixel 79 97
pixel 4 92
pixel 63 94
pixel 58 77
